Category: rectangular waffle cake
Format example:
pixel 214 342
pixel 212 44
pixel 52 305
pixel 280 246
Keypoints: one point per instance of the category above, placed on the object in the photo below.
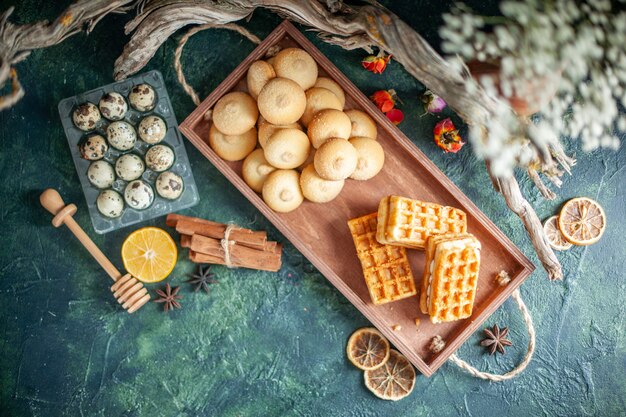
pixel 386 268
pixel 406 222
pixel 450 277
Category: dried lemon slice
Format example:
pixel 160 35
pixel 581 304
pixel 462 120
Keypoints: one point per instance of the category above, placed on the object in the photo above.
pixel 554 235
pixel 367 349
pixel 149 254
pixel 582 221
pixel 392 381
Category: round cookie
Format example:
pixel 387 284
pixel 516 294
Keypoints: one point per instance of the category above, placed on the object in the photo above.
pixel 235 113
pixel 255 170
pixel 297 65
pixel 326 124
pixel 332 85
pixel 152 129
pixel 317 99
pixel 316 188
pixel 281 190
pixel 336 159
pixel 232 147
pixel 371 158
pixel 259 73
pixel 362 124
pixel 281 101
pixel 266 130
pixel 287 148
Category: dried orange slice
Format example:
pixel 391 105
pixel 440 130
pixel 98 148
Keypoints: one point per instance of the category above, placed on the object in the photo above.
pixel 367 349
pixel 149 254
pixel 392 381
pixel 554 235
pixel 582 221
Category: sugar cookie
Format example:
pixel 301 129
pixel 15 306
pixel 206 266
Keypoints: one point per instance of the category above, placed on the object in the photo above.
pixel 316 188
pixel 235 113
pixel 332 85
pixel 317 99
pixel 297 65
pixel 232 147
pixel 259 73
pixel 281 101
pixel 266 129
pixel 255 170
pixel 371 158
pixel 287 148
pixel 281 190
pixel 329 123
pixel 362 124
pixel 335 160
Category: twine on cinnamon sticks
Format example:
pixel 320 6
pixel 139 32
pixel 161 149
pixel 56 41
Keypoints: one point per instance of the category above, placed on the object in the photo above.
pixel 226 244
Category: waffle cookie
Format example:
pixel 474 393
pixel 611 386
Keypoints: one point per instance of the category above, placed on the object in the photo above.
pixel 450 277
pixel 385 268
pixel 406 222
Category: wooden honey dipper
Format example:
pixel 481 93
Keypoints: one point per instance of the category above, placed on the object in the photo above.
pixel 129 292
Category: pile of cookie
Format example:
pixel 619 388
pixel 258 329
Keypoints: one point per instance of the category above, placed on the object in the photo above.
pixel 450 276
pixel 308 144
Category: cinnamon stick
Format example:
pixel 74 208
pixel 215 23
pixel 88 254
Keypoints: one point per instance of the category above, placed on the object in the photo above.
pixel 206 249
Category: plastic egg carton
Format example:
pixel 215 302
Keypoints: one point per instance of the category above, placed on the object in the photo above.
pixel 173 139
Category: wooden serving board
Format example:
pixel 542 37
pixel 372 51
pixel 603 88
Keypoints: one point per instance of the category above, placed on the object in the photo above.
pixel 321 233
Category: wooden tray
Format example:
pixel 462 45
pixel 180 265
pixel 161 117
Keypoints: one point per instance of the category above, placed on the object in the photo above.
pixel 321 233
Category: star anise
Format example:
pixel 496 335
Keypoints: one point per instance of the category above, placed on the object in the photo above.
pixel 202 279
pixel 496 339
pixel 169 298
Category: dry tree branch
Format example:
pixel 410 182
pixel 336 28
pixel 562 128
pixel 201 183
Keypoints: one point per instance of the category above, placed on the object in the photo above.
pixel 351 27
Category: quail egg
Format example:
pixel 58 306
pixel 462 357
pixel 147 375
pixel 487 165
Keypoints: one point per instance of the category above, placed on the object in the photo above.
pixel 152 129
pixel 169 185
pixel 129 167
pixel 138 195
pixel 142 97
pixel 113 106
pixel 159 158
pixel 86 116
pixel 110 203
pixel 93 147
pixel 101 174
pixel 121 135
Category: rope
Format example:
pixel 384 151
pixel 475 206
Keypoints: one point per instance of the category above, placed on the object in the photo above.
pixel 519 368
pixel 226 243
pixel 181 44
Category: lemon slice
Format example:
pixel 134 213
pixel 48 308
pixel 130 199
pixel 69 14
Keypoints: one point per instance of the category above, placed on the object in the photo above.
pixel 392 381
pixel 582 221
pixel 554 235
pixel 367 349
pixel 149 254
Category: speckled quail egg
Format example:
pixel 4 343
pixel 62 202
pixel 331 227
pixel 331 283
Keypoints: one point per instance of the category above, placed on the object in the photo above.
pixel 94 147
pixel 169 185
pixel 86 116
pixel 142 97
pixel 152 129
pixel 113 106
pixel 159 158
pixel 129 167
pixel 138 195
pixel 110 203
pixel 101 174
pixel 121 135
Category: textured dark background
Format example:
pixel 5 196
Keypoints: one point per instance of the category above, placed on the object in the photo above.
pixel 263 343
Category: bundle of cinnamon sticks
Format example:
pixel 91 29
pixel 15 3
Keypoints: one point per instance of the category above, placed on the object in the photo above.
pixel 218 243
